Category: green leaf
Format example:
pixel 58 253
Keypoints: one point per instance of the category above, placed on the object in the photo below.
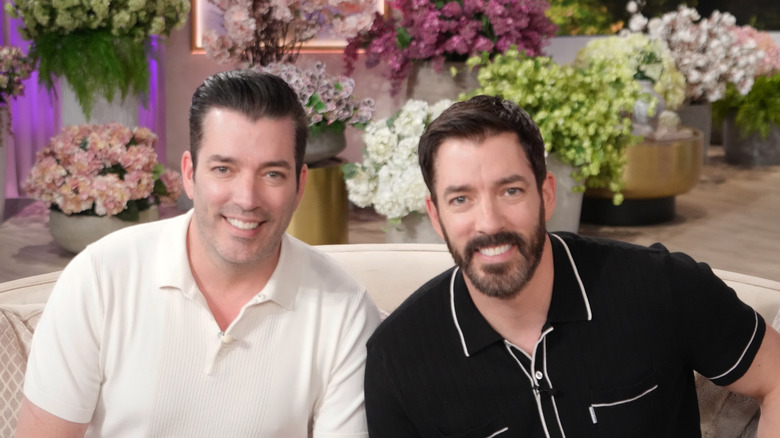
pixel 95 63
pixel 402 38
pixel 350 170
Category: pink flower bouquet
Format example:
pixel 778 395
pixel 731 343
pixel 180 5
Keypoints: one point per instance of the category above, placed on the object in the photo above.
pixel 101 170
pixel 15 67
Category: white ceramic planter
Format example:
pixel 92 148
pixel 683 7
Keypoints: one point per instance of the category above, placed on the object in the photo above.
pixel 73 232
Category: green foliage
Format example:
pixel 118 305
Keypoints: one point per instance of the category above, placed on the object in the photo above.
pixel 756 111
pixel 582 17
pixel 582 112
pixel 93 62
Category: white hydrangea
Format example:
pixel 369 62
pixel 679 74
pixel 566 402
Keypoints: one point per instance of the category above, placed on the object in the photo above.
pixel 389 178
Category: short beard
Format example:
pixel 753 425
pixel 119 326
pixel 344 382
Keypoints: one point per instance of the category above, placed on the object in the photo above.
pixel 503 280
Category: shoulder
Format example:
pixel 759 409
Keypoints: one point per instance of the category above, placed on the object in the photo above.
pixel 427 307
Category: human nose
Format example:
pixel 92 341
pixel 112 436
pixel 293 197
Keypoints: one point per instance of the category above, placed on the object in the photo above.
pixel 489 220
pixel 246 194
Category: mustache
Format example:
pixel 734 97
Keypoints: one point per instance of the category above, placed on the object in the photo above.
pixel 500 238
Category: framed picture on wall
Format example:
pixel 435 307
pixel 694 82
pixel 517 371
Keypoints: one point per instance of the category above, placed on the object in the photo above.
pixel 206 15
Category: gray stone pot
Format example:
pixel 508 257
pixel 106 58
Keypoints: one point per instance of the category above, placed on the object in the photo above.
pixel 750 150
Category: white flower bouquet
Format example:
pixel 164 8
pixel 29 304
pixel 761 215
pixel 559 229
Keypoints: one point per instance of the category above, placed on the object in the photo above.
pixel 708 52
pixel 389 178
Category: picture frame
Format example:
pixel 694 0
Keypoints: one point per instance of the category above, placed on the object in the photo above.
pixel 205 15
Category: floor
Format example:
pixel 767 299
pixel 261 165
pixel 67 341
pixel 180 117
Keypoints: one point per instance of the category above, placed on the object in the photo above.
pixel 730 220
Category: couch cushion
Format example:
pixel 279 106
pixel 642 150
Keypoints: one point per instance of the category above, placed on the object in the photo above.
pixel 15 337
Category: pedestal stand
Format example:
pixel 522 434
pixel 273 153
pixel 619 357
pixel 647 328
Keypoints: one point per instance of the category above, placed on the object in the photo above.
pixel 321 218
pixel 656 172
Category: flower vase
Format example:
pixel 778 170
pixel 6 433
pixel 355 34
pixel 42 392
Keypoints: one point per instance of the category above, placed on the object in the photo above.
pixel 118 110
pixel 698 116
pixel 74 232
pixel 323 145
pixel 751 149
pixel 425 83
pixel 414 228
pixel 643 122
pixel 568 204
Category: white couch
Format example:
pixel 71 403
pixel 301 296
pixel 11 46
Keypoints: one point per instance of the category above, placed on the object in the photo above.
pixel 390 272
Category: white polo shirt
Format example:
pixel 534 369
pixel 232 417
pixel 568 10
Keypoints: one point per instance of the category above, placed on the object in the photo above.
pixel 128 343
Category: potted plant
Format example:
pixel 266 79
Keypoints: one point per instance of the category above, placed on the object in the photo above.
pixel 750 122
pixel 330 107
pixel 583 112
pixel 98 47
pixel 389 177
pixel 646 60
pixel 106 171
pixel 708 52
pixel 262 32
pixel 448 30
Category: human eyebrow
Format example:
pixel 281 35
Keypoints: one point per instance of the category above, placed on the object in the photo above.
pixel 512 179
pixel 449 190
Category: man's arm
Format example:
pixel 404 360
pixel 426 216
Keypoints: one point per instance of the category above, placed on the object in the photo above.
pixel 762 382
pixel 35 422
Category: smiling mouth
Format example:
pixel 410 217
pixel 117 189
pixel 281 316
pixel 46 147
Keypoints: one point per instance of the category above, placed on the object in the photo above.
pixel 494 250
pixel 241 225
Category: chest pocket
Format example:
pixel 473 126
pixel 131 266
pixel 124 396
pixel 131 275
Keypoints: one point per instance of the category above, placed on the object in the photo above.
pixel 631 410
pixel 496 427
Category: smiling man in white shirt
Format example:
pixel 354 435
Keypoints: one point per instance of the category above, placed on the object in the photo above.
pixel 215 322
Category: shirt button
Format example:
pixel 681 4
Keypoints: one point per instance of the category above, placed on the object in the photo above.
pixel 538 375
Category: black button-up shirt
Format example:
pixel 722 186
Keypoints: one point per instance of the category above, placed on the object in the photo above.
pixel 627 325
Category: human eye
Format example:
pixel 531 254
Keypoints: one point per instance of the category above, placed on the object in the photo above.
pixel 220 170
pixel 457 200
pixel 276 175
pixel 514 191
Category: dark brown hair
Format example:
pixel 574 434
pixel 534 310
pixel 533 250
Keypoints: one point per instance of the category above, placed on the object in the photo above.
pixel 477 119
pixel 254 94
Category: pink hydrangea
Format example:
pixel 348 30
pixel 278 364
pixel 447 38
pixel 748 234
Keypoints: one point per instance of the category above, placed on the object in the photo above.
pixel 99 170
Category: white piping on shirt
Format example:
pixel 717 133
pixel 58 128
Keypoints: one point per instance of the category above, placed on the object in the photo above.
pixel 497 433
pixel 454 315
pixel 576 274
pixel 744 352
pixel 592 407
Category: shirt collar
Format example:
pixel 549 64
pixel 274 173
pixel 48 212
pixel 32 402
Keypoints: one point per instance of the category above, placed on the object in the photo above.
pixel 281 288
pixel 569 302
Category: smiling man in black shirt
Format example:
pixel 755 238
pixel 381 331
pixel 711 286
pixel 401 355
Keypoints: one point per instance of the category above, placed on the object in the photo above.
pixel 551 335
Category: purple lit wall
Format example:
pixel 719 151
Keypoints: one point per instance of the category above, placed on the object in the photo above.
pixel 36 115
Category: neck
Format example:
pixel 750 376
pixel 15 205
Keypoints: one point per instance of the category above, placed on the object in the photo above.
pixel 520 319
pixel 226 286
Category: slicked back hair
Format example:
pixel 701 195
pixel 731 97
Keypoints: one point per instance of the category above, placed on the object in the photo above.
pixel 254 94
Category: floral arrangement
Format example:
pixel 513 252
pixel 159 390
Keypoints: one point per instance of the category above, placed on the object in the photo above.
pixel 757 111
pixel 101 170
pixel 768 64
pixel 15 67
pixel 706 51
pixel 260 32
pixel 389 178
pixel 328 100
pixel 640 58
pixel 98 46
pixel 583 113
pixel 449 30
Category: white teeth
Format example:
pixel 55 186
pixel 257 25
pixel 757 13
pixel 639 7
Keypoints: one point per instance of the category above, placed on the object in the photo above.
pixel 243 225
pixel 495 250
